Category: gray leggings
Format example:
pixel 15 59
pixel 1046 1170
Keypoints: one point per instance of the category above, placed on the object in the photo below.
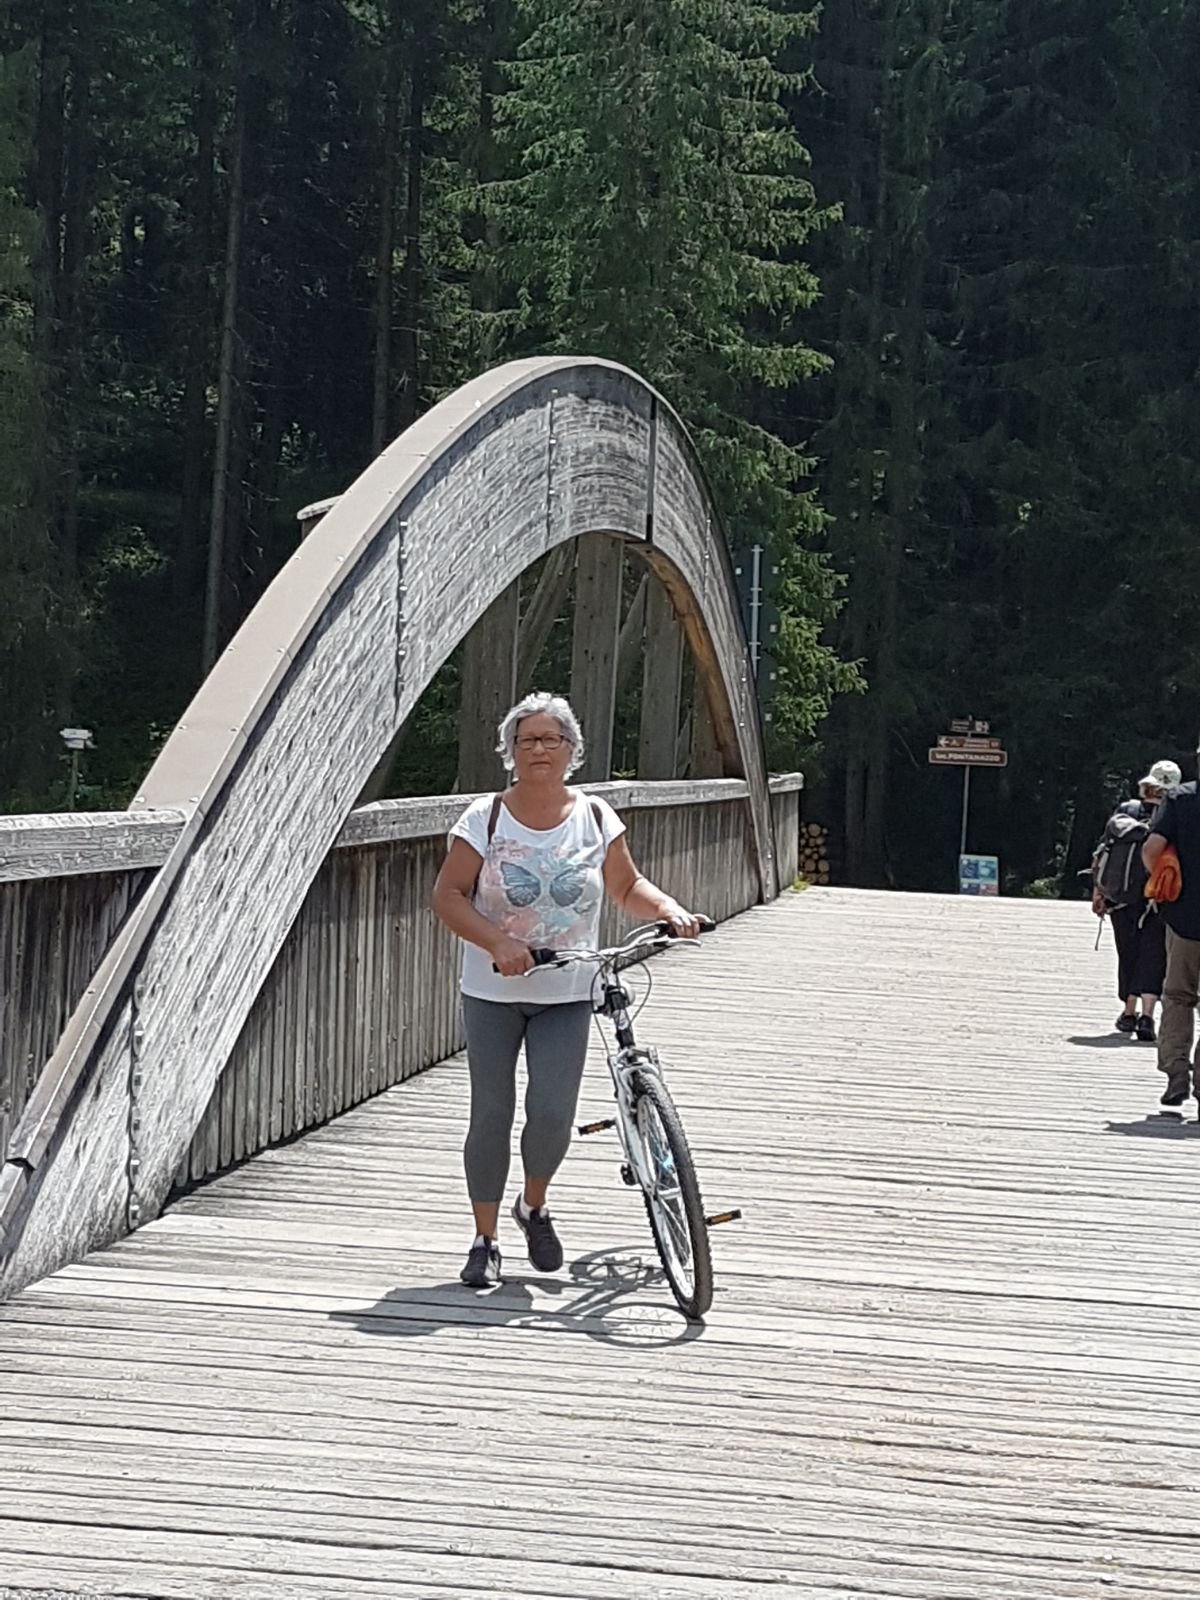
pixel 555 1039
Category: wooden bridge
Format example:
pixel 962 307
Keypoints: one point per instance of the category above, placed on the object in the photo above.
pixel 950 1356
pixel 948 1351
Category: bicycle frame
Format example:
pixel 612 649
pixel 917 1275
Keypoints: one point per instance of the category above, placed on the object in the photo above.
pixel 623 1062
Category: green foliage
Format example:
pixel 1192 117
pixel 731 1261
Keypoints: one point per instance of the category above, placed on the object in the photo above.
pixel 658 215
pixel 25 551
pixel 1009 447
pixel 921 280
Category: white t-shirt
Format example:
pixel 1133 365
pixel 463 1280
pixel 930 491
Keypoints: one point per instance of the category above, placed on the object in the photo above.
pixel 543 886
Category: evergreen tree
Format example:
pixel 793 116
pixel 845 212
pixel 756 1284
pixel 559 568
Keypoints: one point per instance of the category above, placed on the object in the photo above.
pixel 658 215
pixel 25 556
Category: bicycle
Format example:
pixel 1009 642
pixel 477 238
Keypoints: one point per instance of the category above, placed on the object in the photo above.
pixel 657 1157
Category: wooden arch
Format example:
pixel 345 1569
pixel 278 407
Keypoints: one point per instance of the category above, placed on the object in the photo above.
pixel 282 736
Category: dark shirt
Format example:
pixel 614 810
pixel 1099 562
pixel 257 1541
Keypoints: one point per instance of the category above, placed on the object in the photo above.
pixel 1177 820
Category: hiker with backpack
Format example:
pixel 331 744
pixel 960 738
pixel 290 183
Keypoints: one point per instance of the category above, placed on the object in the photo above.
pixel 1119 881
pixel 1172 857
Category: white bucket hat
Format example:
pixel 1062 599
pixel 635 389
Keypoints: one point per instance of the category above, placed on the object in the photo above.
pixel 1162 775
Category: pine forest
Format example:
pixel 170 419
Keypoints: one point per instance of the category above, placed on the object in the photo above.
pixel 922 277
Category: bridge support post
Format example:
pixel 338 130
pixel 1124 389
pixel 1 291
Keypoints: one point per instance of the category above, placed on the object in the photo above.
pixel 662 674
pixel 489 687
pixel 707 760
pixel 594 653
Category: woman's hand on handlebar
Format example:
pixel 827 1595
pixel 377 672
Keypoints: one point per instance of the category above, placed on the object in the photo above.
pixel 510 957
pixel 683 924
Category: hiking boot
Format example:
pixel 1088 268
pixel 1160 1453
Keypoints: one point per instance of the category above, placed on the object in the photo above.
pixel 1126 1023
pixel 545 1251
pixel 482 1270
pixel 1145 1030
pixel 1178 1091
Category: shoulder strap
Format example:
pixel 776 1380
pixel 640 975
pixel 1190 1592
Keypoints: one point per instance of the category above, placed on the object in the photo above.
pixel 493 819
pixel 494 816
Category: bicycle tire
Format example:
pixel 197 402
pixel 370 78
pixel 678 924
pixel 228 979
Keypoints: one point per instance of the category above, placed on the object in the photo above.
pixel 695 1297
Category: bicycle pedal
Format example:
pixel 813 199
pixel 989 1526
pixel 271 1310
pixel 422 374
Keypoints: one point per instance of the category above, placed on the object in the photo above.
pixel 627 1176
pixel 723 1216
pixel 597 1127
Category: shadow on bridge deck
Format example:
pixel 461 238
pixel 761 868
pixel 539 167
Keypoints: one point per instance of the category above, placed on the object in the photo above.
pixel 942 1361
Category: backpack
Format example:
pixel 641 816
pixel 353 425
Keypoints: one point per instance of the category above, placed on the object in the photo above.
pixel 1165 883
pixel 1118 871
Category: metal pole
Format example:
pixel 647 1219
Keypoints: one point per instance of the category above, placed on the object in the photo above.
pixel 755 640
pixel 73 785
pixel 962 848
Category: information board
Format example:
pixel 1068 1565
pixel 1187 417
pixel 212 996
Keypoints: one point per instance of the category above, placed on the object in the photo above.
pixel 979 875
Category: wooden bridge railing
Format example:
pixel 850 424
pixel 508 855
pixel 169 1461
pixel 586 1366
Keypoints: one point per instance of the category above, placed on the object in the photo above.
pixel 362 994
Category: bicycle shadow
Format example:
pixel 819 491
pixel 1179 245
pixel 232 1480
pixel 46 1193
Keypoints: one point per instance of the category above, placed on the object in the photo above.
pixel 604 1297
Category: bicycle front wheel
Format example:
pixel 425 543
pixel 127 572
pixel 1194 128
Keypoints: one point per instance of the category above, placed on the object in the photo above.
pixel 673 1202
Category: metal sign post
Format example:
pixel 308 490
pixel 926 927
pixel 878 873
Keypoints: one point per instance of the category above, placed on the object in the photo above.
pixel 76 740
pixel 968 744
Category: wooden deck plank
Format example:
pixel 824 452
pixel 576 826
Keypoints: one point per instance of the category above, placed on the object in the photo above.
pixel 935 1368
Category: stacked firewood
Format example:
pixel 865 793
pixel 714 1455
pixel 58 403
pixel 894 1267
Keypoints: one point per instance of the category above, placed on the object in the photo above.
pixel 814 852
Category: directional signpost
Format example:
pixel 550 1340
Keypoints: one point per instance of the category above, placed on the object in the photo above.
pixel 969 744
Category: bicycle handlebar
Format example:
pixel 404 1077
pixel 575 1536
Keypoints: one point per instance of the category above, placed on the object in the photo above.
pixel 664 934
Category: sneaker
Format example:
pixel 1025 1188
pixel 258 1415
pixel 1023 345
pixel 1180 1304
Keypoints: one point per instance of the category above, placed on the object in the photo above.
pixel 482 1270
pixel 1126 1023
pixel 1145 1030
pixel 545 1251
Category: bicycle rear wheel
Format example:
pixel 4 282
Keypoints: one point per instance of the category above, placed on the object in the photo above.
pixel 674 1206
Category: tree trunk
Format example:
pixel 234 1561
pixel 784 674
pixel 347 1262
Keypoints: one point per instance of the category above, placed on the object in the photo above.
pixel 878 752
pixel 915 137
pixel 198 328
pixel 413 257
pixel 77 205
pixel 385 244
pixel 485 294
pixel 49 177
pixel 227 373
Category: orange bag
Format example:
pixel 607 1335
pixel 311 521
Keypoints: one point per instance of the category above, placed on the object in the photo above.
pixel 1166 881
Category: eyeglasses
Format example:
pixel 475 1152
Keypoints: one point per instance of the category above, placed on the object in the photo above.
pixel 549 741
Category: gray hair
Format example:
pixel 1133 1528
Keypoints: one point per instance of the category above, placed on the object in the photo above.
pixel 537 704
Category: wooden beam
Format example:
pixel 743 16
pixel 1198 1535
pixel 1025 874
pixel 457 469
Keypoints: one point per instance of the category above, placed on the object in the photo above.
pixel 489 687
pixel 707 760
pixel 92 843
pixel 542 613
pixel 662 674
pixel 633 632
pixel 594 655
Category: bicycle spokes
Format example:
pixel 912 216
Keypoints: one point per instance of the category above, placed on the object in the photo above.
pixel 664 1195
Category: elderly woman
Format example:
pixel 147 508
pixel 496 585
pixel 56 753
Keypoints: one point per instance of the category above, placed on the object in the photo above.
pixel 529 869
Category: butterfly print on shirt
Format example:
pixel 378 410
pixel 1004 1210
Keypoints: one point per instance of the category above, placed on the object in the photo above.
pixel 524 888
